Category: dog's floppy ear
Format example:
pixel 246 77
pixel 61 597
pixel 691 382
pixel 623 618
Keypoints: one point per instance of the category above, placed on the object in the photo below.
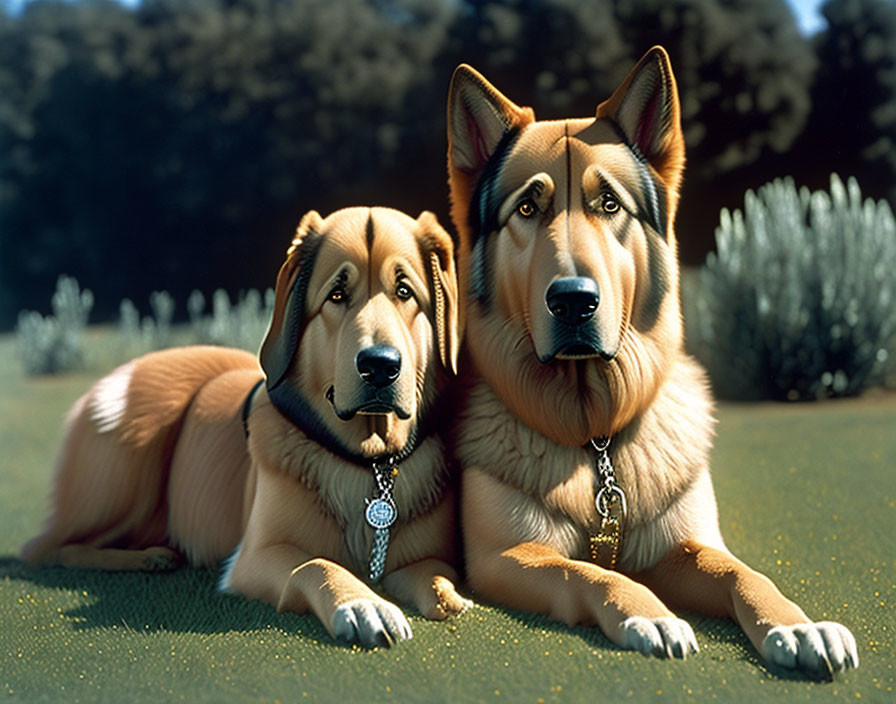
pixel 646 108
pixel 279 346
pixel 438 257
pixel 478 117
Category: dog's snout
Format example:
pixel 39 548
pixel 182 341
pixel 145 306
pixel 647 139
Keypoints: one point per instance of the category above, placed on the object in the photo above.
pixel 573 300
pixel 379 365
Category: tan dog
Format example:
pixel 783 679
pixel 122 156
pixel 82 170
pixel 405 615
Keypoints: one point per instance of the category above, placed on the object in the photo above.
pixel 585 435
pixel 155 458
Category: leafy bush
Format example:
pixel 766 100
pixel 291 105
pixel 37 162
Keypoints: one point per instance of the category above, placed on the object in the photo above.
pixel 241 325
pixel 47 345
pixel 800 300
pixel 154 332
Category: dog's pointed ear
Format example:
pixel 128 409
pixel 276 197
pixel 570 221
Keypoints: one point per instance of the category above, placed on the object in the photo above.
pixel 478 117
pixel 647 110
pixel 280 344
pixel 438 256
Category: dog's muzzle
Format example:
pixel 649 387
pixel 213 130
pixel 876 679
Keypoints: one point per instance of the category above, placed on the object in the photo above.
pixel 572 302
pixel 379 367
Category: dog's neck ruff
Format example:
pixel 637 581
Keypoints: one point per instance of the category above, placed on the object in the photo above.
pixel 609 500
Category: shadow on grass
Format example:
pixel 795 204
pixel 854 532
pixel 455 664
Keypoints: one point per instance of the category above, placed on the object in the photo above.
pixel 185 600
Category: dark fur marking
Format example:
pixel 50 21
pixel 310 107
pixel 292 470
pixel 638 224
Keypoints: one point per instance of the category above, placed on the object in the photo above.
pixel 293 405
pixel 533 192
pixel 483 217
pixel 655 216
pixel 247 406
pixel 656 206
pixel 295 313
pixel 658 281
pixel 369 230
pixel 293 317
pixel 568 184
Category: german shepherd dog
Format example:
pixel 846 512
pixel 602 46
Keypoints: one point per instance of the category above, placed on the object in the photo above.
pixel 585 433
pixel 340 420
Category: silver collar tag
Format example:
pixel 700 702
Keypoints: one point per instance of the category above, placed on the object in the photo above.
pixel 381 514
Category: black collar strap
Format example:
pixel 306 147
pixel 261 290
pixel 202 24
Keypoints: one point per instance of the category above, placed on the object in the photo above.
pixel 296 409
pixel 247 405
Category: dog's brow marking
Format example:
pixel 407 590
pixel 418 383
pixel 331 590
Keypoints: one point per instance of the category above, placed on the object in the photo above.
pixel 568 187
pixel 369 228
pixel 370 235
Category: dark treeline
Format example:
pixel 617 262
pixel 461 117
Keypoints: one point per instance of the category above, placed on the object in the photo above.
pixel 176 145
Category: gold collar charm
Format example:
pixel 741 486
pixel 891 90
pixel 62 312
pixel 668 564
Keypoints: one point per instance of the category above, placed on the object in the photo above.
pixel 609 500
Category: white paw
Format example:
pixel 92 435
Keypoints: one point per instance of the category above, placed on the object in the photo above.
pixel 371 623
pixel 667 637
pixel 819 648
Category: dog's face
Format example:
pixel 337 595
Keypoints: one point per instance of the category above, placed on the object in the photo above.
pixel 365 314
pixel 568 259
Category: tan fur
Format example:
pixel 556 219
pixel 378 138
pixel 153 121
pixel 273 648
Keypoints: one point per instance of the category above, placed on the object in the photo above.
pixel 524 427
pixel 155 460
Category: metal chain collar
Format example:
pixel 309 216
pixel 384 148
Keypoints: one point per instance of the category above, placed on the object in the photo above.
pixel 381 513
pixel 609 500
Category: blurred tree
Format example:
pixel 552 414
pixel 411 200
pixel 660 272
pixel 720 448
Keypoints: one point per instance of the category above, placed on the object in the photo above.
pixel 556 55
pixel 176 145
pixel 559 56
pixel 52 62
pixel 744 73
pixel 853 125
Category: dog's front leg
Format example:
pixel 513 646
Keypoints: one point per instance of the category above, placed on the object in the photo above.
pixel 714 582
pixel 288 578
pixel 429 585
pixel 534 577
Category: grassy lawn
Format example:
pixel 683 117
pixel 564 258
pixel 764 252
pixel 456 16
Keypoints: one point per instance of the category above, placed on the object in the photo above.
pixel 807 494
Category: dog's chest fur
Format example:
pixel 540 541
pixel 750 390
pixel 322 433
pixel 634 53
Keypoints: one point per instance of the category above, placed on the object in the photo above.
pixel 661 461
pixel 343 488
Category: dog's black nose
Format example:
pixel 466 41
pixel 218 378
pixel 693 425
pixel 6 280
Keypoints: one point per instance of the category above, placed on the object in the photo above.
pixel 379 365
pixel 573 300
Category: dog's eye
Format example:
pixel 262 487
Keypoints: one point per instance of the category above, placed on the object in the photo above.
pixel 337 295
pixel 526 208
pixel 403 291
pixel 608 203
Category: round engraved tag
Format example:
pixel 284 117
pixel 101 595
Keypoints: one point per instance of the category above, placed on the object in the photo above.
pixel 380 513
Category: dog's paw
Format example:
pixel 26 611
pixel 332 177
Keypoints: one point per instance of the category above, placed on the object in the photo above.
pixel 666 637
pixel 820 649
pixel 159 559
pixel 371 623
pixel 447 601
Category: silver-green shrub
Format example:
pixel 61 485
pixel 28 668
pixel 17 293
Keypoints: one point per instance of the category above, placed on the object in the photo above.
pixel 153 332
pixel 242 324
pixel 52 344
pixel 799 302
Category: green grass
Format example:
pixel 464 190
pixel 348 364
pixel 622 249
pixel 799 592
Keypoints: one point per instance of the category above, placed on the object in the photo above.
pixel 807 494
